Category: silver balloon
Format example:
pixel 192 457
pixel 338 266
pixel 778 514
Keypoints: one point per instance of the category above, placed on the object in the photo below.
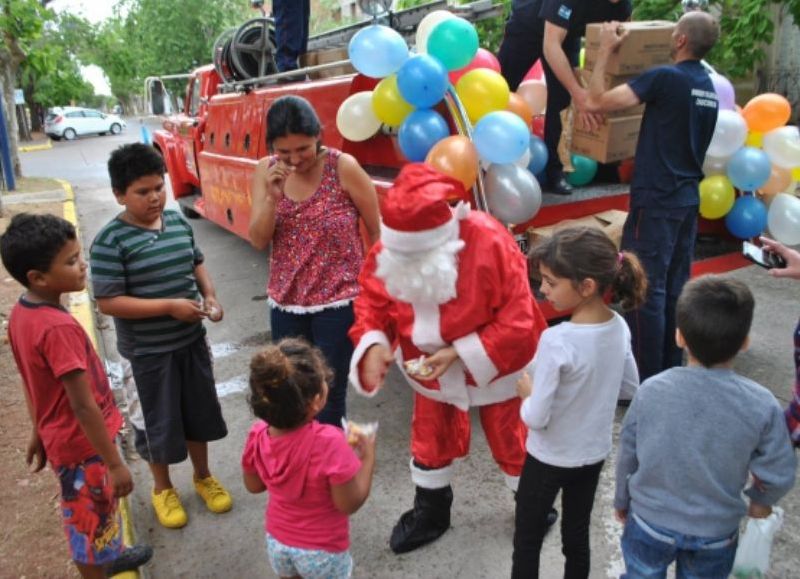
pixel 715 165
pixel 783 219
pixel 512 192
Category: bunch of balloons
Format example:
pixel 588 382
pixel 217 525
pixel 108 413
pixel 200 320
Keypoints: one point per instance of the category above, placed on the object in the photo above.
pixel 752 150
pixel 413 84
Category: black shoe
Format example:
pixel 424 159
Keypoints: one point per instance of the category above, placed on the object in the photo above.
pixel 552 517
pixel 426 522
pixel 560 187
pixel 131 558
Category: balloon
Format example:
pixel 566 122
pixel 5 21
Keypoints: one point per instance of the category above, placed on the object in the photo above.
pixel 538 155
pixel 518 106
pixel 747 218
pixel 426 26
pixel 716 196
pixel 715 165
pixel 454 42
pixel 377 51
pixel 754 139
pixel 749 168
pixel 724 90
pixel 585 170
pixel 483 59
pixel 783 146
pixel 536 72
pixel 512 193
pixel 387 102
pixel 501 137
pixel 766 112
pixel 537 127
pixel 524 160
pixel 422 81
pixel 421 130
pixel 482 91
pixel 455 156
pixel 582 58
pixel 796 173
pixel 625 171
pixel 729 134
pixel 783 219
pixel 535 94
pixel 355 119
pixel 779 180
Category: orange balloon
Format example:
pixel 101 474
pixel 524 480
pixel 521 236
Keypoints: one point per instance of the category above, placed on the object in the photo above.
pixel 455 156
pixel 534 92
pixel 779 180
pixel 518 106
pixel 766 112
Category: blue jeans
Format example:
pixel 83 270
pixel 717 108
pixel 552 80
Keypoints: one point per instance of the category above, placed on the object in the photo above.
pixel 327 330
pixel 291 31
pixel 663 239
pixel 648 551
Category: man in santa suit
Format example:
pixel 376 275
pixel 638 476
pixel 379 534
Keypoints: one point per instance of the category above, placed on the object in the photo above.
pixel 450 285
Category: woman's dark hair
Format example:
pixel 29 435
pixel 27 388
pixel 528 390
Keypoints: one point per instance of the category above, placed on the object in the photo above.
pixel 578 253
pixel 291 115
pixel 284 379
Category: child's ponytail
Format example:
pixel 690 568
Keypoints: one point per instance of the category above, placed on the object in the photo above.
pixel 629 287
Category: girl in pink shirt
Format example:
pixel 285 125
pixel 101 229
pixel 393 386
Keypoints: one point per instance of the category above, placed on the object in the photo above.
pixel 315 479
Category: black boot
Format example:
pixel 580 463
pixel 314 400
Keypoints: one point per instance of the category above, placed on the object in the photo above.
pixel 426 522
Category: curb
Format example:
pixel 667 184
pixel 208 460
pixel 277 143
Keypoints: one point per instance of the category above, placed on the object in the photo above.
pixel 44 147
pixel 80 308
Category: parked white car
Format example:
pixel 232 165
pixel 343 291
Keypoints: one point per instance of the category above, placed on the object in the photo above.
pixel 69 122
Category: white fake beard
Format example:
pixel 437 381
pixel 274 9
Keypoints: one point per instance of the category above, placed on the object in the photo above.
pixel 423 277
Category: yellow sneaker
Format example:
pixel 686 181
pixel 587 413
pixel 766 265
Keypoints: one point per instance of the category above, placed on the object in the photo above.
pixel 217 499
pixel 169 509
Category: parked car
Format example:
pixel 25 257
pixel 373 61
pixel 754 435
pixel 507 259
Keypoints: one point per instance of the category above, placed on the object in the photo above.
pixel 69 122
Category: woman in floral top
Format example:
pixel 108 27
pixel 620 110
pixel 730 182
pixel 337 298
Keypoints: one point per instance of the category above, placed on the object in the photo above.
pixel 306 201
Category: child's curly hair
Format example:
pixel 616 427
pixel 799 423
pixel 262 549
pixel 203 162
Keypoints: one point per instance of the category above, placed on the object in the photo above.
pixel 284 379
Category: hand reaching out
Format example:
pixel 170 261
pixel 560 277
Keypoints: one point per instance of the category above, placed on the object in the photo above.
pixel 524 386
pixel 792 257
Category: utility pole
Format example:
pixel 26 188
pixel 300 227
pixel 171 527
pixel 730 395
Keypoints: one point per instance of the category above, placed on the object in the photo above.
pixel 5 150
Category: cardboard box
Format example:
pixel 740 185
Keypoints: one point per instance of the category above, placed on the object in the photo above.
pixel 647 45
pixel 615 140
pixel 609 222
pixel 611 81
pixel 324 57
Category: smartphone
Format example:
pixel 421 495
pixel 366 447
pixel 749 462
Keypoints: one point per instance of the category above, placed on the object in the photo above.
pixel 762 257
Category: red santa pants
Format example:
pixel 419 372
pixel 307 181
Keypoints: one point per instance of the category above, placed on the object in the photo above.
pixel 440 433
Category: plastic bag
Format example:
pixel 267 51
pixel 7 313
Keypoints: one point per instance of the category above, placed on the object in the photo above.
pixel 755 544
pixel 351 429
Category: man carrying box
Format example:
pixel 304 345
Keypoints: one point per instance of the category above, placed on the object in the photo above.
pixel 678 123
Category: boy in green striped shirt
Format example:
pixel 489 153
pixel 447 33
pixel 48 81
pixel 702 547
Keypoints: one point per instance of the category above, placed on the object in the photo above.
pixel 148 273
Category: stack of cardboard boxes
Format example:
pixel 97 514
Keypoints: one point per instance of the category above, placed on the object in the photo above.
pixel 646 45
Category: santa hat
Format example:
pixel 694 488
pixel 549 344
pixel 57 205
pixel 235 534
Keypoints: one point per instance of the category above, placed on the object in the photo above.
pixel 415 215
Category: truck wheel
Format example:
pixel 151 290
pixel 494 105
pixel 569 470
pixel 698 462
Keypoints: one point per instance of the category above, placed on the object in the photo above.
pixel 116 129
pixel 69 134
pixel 189 213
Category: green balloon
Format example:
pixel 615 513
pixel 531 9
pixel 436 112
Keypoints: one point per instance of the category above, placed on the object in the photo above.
pixel 454 42
pixel 585 170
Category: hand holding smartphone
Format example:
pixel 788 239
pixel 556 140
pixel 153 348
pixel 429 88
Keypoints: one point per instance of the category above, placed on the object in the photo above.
pixel 761 256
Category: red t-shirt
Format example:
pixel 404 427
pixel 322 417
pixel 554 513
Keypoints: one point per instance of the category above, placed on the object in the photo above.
pixel 49 343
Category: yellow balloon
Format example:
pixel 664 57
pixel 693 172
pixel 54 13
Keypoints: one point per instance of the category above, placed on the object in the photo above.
pixel 716 196
pixel 389 105
pixel 754 139
pixel 582 58
pixel 482 91
pixel 796 174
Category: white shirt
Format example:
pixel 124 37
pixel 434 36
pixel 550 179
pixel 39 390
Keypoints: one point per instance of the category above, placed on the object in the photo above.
pixel 580 371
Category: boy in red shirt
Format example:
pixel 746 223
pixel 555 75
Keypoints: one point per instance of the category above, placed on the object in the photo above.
pixel 75 420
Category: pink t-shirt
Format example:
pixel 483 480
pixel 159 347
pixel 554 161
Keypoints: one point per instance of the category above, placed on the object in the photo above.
pixel 298 469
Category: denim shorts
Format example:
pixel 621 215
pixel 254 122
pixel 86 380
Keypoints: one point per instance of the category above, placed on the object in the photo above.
pixel 308 563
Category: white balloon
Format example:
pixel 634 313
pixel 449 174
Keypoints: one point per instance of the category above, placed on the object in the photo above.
pixel 524 160
pixel 783 219
pixel 715 165
pixel 730 133
pixel 512 193
pixel 783 146
pixel 356 118
pixel 426 26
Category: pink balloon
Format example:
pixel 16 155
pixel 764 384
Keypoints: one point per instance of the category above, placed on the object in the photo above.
pixel 536 72
pixel 724 90
pixel 535 94
pixel 483 59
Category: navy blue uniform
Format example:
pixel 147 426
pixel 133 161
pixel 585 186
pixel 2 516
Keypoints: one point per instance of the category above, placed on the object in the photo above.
pixel 522 47
pixel 678 123
pixel 291 31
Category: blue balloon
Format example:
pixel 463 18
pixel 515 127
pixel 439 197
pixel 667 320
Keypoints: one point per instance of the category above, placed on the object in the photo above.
pixel 420 131
pixel 749 168
pixel 747 218
pixel 377 51
pixel 422 81
pixel 539 155
pixel 501 137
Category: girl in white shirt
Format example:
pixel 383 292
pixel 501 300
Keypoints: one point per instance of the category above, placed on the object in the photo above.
pixel 581 368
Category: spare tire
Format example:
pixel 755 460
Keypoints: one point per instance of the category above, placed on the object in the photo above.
pixel 252 50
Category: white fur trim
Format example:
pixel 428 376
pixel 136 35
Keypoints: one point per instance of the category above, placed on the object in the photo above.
pixel 461 210
pixel 414 241
pixel 512 482
pixel 426 332
pixel 431 479
pixel 369 339
pixel 292 309
pixel 471 351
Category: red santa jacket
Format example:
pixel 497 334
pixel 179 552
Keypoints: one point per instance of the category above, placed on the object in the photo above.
pixel 493 322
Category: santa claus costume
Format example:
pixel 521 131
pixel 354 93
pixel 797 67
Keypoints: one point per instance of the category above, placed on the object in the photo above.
pixel 446 278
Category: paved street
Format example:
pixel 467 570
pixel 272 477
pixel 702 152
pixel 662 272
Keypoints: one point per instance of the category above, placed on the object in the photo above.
pixel 479 544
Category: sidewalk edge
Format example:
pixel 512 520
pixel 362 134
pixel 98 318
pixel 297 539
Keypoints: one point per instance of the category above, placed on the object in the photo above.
pixel 43 147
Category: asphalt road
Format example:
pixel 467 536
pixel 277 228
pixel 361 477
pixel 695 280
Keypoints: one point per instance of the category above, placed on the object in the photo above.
pixel 479 544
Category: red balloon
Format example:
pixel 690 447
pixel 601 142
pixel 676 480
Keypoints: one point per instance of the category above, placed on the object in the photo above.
pixel 625 171
pixel 537 127
pixel 483 59
pixel 536 72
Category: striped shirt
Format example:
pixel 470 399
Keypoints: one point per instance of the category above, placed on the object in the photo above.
pixel 127 260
